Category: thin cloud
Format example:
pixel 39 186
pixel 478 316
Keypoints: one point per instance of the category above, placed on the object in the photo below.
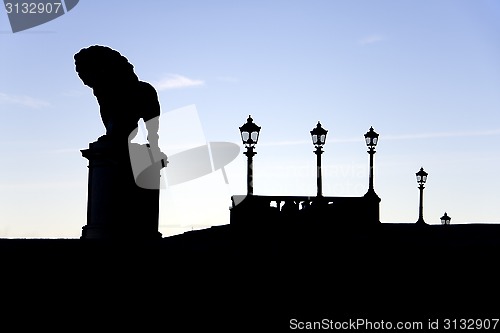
pixel 23 100
pixel 175 81
pixel 436 135
pixel 309 142
pixel 372 39
pixel 285 143
pixel 25 186
pixel 415 136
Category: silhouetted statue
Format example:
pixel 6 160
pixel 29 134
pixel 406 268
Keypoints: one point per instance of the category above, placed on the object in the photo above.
pixel 124 176
pixel 122 97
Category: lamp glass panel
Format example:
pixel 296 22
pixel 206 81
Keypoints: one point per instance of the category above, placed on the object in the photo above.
pixel 244 136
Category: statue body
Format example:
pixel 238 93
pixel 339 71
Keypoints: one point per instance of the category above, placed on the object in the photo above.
pixel 117 206
pixel 122 97
pixel 122 109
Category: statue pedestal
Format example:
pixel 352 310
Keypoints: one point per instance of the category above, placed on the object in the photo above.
pixel 117 208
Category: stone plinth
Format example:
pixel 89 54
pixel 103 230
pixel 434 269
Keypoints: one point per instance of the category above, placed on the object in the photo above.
pixel 117 208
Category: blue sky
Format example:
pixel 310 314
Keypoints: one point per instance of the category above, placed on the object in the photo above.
pixel 425 74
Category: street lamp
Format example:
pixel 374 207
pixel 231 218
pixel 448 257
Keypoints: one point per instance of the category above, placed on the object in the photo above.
pixel 371 139
pixel 318 135
pixel 421 179
pixel 250 135
pixel 445 219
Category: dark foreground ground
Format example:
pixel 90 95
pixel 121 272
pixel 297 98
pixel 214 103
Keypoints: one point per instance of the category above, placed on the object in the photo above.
pixel 244 280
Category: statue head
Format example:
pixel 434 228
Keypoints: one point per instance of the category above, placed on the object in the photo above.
pixel 100 67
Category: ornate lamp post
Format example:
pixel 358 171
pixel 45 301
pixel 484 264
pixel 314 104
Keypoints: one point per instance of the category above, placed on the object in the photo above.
pixel 445 219
pixel 421 179
pixel 371 139
pixel 318 135
pixel 250 135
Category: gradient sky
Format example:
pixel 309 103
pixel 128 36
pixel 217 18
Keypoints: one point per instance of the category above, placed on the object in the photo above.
pixel 425 74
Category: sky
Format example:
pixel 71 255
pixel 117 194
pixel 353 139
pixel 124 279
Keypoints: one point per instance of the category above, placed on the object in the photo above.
pixel 425 74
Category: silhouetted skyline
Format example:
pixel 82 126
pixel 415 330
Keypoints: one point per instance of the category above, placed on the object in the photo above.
pixel 424 75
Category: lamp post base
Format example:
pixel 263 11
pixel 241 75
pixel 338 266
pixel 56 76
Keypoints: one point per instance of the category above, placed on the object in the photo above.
pixel 373 202
pixel 371 194
pixel 421 222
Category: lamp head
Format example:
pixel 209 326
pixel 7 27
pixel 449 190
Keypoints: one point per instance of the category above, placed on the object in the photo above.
pixel 249 133
pixel 421 176
pixel 371 138
pixel 445 219
pixel 318 135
